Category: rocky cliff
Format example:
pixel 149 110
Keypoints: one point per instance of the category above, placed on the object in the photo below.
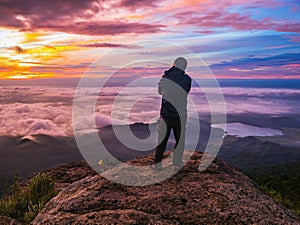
pixel 220 195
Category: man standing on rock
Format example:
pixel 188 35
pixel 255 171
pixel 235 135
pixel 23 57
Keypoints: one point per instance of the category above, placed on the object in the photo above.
pixel 174 87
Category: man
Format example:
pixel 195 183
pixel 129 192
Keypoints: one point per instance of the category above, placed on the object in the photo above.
pixel 174 87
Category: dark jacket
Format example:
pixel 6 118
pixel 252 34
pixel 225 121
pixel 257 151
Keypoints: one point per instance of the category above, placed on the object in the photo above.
pixel 174 87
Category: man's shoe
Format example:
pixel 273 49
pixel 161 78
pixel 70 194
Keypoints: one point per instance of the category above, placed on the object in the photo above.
pixel 158 168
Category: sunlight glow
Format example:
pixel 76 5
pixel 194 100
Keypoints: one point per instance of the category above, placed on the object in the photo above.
pixel 18 77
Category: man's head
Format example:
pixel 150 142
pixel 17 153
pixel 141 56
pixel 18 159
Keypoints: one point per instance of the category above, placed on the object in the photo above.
pixel 180 63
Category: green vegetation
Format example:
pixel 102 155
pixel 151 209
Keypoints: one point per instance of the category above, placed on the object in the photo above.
pixel 281 182
pixel 24 201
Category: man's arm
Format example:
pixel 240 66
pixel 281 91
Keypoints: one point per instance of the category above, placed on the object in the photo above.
pixel 160 87
pixel 190 85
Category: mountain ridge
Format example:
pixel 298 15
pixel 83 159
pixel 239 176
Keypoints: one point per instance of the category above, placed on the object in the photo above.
pixel 219 195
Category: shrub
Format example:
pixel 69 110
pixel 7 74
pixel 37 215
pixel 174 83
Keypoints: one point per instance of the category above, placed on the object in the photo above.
pixel 25 201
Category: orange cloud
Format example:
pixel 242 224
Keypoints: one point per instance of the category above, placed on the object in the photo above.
pixel 32 62
pixel 21 72
pixel 32 37
pixel 49 52
pixel 17 49
pixel 185 3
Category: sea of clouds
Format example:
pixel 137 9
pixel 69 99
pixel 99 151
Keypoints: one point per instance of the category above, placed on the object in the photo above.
pixel 48 110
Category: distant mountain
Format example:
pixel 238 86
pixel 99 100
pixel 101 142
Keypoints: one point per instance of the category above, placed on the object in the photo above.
pixel 281 182
pixel 260 120
pixel 284 121
pixel 249 152
pixel 220 195
pixel 33 153
pixel 30 154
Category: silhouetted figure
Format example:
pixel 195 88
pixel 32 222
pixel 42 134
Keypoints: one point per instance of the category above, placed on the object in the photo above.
pixel 174 87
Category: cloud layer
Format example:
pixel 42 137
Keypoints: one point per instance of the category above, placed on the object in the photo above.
pixel 50 111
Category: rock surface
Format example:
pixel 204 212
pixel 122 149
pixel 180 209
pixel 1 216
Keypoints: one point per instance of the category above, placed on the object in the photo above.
pixel 67 174
pixel 220 195
pixel 4 220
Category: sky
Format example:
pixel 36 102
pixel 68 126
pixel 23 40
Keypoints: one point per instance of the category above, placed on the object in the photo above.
pixel 238 39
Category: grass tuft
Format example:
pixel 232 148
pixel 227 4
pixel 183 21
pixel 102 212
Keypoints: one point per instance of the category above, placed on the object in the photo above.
pixel 24 201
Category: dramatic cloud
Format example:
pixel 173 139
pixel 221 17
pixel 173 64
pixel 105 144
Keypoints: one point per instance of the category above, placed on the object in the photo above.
pixel 108 45
pixel 284 65
pixel 16 13
pixel 235 21
pixel 41 34
pixel 252 62
pixel 83 17
pixel 98 27
pixel 137 4
pixel 79 17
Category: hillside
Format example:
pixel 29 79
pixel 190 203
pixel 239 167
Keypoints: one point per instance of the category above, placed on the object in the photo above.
pixel 31 154
pixel 282 182
pixel 220 195
pixel 250 152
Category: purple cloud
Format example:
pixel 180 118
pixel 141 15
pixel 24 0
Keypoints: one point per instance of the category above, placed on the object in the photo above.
pixel 97 27
pixel 59 15
pixel 252 62
pixel 109 45
pixel 283 65
pixel 235 21
pixel 136 4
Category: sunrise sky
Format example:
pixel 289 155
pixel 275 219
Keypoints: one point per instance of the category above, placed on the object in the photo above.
pixel 256 39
